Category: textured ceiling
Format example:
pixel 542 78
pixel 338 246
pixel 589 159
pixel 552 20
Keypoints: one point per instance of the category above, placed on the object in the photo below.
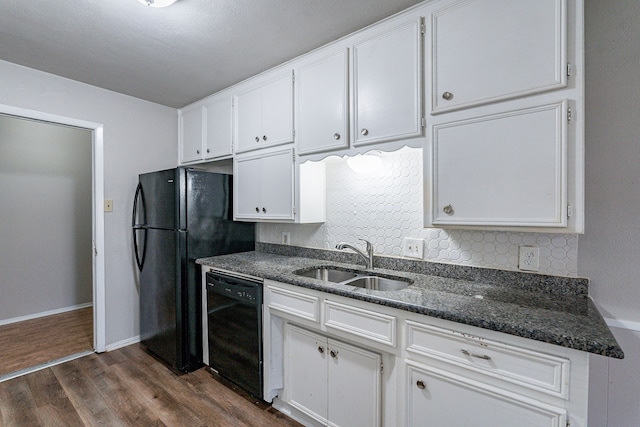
pixel 179 54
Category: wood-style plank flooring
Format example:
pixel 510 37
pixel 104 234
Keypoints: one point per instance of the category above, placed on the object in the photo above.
pixel 127 387
pixel 34 342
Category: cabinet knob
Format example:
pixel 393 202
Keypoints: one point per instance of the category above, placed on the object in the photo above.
pixel 448 96
pixel 336 136
pixel 320 349
pixel 257 209
pixel 197 151
pixel 264 210
pixel 333 353
pixel 364 132
pixel 264 137
pixel 208 150
pixel 421 385
pixel 448 210
pixel 257 139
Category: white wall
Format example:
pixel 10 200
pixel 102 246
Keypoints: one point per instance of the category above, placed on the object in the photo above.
pixel 45 189
pixel 610 249
pixel 139 136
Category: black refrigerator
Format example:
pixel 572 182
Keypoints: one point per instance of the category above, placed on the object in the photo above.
pixel 180 215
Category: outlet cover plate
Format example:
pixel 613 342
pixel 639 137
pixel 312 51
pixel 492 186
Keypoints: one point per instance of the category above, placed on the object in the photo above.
pixel 413 248
pixel 286 238
pixel 529 258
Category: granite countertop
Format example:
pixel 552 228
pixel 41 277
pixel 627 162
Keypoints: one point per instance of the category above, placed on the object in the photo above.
pixel 543 308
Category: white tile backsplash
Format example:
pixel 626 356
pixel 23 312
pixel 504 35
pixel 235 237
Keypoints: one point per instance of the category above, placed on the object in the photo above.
pixel 385 206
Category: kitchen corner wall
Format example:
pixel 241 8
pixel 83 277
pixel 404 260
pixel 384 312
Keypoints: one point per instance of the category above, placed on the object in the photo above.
pixel 386 206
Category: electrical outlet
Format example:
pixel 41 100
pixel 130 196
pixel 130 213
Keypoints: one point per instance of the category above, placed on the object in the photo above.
pixel 413 248
pixel 286 238
pixel 529 258
pixel 108 205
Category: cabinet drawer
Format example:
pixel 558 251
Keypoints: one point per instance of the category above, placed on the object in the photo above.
pixel 363 323
pixel 294 303
pixel 534 370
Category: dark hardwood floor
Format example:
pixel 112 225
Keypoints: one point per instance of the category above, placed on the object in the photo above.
pixel 127 387
pixel 34 342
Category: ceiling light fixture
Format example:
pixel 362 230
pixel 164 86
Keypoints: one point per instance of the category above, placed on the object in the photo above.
pixel 157 3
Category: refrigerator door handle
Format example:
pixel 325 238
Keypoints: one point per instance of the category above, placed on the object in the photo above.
pixel 139 196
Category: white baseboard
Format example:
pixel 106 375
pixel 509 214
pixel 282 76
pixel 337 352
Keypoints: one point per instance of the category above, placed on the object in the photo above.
pixel 623 324
pixel 123 343
pixel 45 313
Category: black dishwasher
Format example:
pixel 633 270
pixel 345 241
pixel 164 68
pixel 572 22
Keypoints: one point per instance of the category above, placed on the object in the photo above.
pixel 234 329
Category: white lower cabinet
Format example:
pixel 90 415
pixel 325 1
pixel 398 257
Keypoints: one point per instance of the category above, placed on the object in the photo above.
pixel 439 398
pixel 333 382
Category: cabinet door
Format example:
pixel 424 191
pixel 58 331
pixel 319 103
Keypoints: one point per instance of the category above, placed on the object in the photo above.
pixel 438 399
pixel 306 372
pixel 248 110
pixel 263 186
pixel 192 134
pixel 483 51
pixel 218 128
pixel 354 392
pixel 322 104
pixel 506 169
pixel 387 85
pixel 277 111
pixel 277 175
pixel 247 194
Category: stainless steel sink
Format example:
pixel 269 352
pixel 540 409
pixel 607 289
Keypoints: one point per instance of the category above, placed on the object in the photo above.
pixel 327 274
pixel 378 283
pixel 360 279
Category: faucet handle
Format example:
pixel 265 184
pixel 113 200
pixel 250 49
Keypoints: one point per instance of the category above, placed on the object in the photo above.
pixel 369 245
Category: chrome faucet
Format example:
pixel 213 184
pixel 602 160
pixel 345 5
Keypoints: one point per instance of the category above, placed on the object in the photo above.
pixel 368 257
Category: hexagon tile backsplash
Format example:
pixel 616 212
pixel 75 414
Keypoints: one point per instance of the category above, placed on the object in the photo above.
pixel 385 206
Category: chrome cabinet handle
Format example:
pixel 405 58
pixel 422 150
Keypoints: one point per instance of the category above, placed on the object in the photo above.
pixel 264 137
pixel 257 209
pixel 320 349
pixel 333 353
pixel 448 210
pixel 478 356
pixel 421 385
pixel 336 136
pixel 257 139
pixel 264 210
pixel 447 96
pixel 197 151
pixel 364 132
pixel 208 150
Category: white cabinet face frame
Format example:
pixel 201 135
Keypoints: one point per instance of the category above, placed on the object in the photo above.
pixel 387 85
pixel 518 48
pixel 322 103
pixel 502 169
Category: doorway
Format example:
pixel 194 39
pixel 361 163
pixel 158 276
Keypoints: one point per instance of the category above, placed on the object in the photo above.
pixel 36 211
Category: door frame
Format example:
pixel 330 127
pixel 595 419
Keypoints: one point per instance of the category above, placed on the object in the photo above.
pixel 97 142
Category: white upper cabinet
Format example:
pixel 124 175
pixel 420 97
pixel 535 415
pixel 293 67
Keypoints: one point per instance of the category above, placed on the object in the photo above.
pixel 322 103
pixel 387 73
pixel 264 113
pixel 490 50
pixel 503 169
pixel 205 130
pixel 191 124
pixel 218 129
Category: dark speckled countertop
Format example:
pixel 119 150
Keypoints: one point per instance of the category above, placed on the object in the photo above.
pixel 551 309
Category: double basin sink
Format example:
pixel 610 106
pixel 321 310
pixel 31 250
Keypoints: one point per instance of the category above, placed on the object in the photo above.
pixel 360 279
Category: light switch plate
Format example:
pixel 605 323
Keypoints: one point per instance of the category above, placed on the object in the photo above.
pixel 413 248
pixel 529 258
pixel 108 205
